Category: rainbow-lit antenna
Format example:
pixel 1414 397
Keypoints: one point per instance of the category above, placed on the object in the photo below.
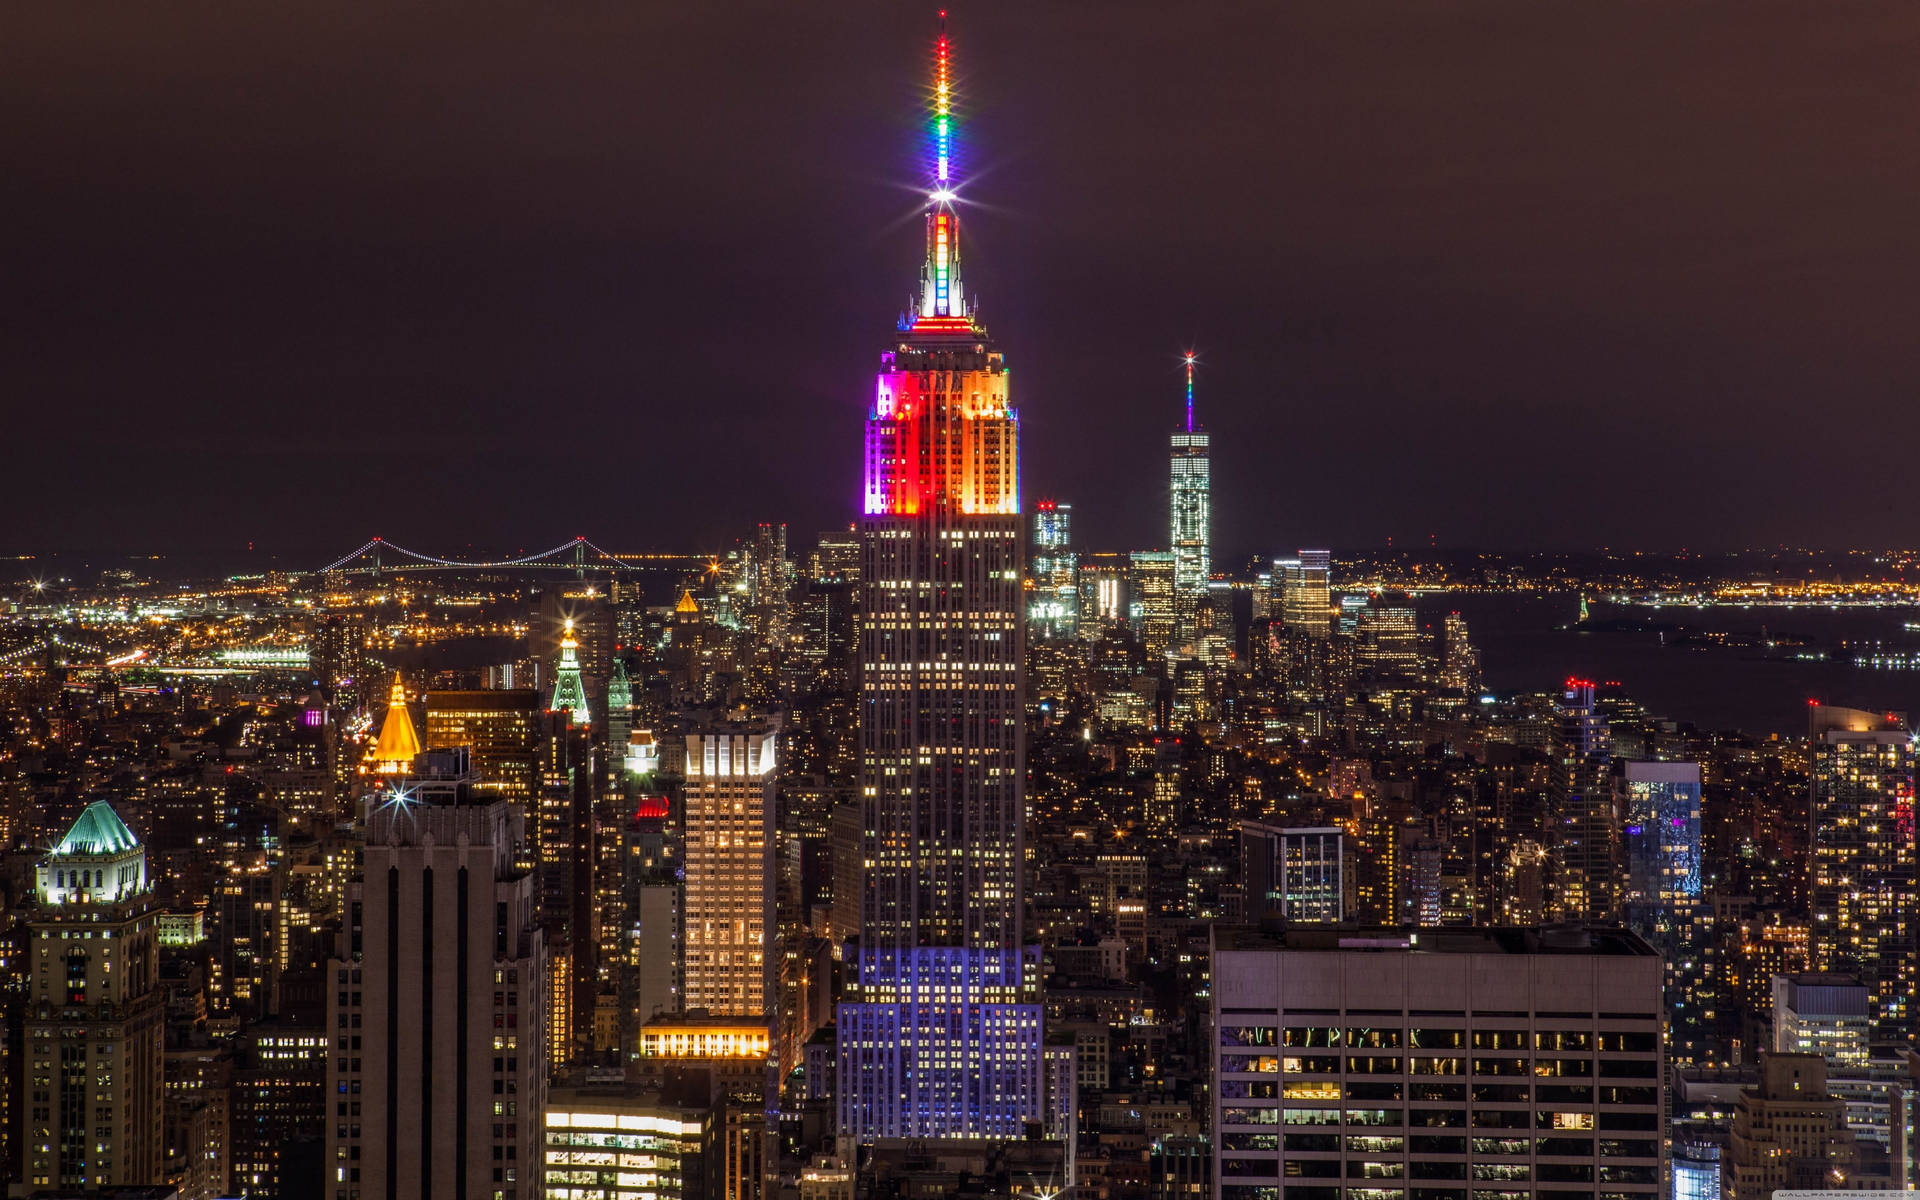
pixel 942 118
pixel 1189 391
pixel 940 293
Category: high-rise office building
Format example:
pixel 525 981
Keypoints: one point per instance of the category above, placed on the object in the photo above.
pixel 1585 831
pixel 1154 600
pixel 1292 873
pixel 566 854
pixel 1394 1062
pixel 90 1092
pixel 612 1142
pixel 280 1105
pixel 500 729
pixel 1660 802
pixel 940 1031
pixel 1104 597
pixel 1863 887
pixel 1459 661
pixel 1389 639
pixel 619 714
pixel 1054 609
pixel 1660 896
pixel 1306 592
pixel 1828 1015
pixel 438 1068
pixel 1192 517
pixel 729 913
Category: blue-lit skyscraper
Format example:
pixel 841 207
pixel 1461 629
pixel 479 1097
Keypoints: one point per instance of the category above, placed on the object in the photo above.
pixel 940 1030
pixel 1661 833
pixel 1659 806
pixel 1192 517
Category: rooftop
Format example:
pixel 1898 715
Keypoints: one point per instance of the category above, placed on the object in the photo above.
pixel 99 830
pixel 1538 939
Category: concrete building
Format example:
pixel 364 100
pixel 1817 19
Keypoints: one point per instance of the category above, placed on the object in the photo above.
pixel 1828 1015
pixel 90 1088
pixel 1292 873
pixel 614 1142
pixel 1524 1060
pixel 437 1009
pixel 1864 897
pixel 1789 1132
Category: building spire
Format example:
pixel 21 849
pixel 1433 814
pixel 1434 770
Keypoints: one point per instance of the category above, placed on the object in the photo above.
pixel 941 295
pixel 394 750
pixel 569 692
pixel 1189 391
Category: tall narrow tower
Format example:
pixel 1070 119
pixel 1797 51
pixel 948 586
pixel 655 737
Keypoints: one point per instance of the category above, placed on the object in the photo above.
pixel 940 1033
pixel 1192 525
pixel 569 691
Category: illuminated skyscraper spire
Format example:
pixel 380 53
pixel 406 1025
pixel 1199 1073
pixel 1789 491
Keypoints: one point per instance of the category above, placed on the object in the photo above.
pixel 1192 514
pixel 941 1021
pixel 568 691
pixel 941 296
pixel 1189 391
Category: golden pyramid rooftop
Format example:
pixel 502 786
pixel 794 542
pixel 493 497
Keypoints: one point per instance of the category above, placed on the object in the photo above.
pixel 394 753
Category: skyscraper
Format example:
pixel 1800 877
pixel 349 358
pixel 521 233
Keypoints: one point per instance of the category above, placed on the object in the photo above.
pixel 1306 594
pixel 1055 604
pixel 1863 887
pixel 501 729
pixel 729 868
pixel 1584 830
pixel 1155 594
pixel 940 1032
pixel 1292 873
pixel 1192 513
pixel 91 1046
pixel 1661 801
pixel 1395 1059
pixel 438 1066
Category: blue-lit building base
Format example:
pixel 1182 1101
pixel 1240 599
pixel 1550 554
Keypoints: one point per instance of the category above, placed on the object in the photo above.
pixel 942 1043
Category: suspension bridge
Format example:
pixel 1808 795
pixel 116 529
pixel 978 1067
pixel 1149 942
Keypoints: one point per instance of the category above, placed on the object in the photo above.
pixel 575 554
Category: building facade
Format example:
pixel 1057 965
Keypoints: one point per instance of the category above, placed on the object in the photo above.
pixel 1379 1063
pixel 438 1068
pixel 91 1097
pixel 729 905
pixel 1863 888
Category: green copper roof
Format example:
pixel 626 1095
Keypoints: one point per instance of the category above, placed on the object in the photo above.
pixel 98 831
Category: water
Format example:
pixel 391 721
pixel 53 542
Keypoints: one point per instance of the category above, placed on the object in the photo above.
pixel 1525 645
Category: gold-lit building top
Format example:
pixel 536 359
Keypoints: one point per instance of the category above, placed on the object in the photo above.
pixel 399 744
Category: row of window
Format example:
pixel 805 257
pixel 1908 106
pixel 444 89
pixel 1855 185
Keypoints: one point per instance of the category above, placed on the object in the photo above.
pixel 1444 1118
pixel 1372 1038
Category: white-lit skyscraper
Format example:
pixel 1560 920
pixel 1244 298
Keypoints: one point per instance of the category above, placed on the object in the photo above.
pixel 1192 513
pixel 1055 601
pixel 1306 592
pixel 940 1027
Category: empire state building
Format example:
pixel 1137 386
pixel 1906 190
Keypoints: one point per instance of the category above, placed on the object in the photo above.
pixel 940 1033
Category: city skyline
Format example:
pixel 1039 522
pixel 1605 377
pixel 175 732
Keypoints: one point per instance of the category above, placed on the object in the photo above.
pixel 1488 296
pixel 943 833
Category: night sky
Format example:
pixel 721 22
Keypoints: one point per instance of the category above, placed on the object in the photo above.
pixel 1501 273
